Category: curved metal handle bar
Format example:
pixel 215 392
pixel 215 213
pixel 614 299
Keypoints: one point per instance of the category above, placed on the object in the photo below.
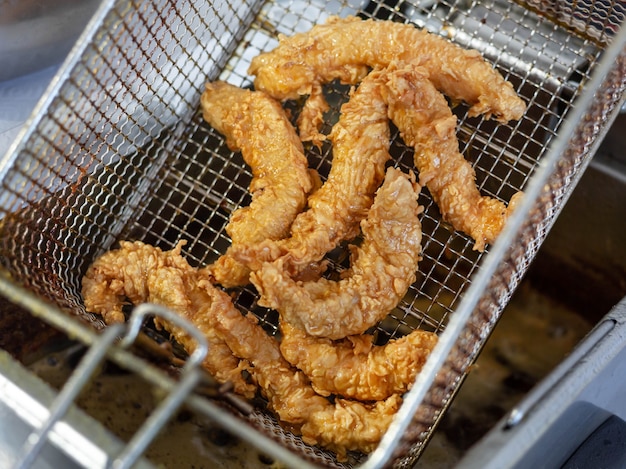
pixel 192 375
pixel 143 310
pixel 75 384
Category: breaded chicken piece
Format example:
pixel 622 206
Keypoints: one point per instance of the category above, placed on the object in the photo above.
pixel 139 273
pixel 341 426
pixel 257 125
pixel 360 151
pixel 344 49
pixel 382 269
pixel 354 367
pixel 426 123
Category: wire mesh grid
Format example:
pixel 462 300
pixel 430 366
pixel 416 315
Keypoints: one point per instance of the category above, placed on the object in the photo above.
pixel 118 149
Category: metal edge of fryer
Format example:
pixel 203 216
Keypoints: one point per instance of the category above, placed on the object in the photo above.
pixel 553 422
pixel 76 441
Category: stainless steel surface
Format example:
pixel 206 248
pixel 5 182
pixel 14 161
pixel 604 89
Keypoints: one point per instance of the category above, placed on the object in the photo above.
pixel 75 440
pixel 18 98
pixel 583 393
pixel 35 34
pixel 39 438
pixel 117 150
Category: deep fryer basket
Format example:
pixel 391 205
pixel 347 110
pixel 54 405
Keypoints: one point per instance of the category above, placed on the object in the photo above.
pixel 117 149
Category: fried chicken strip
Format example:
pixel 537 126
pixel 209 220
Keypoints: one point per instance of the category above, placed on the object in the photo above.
pixel 142 272
pixel 360 151
pixel 426 123
pixel 354 367
pixel 344 48
pixel 139 273
pixel 345 425
pixel 382 269
pixel 257 125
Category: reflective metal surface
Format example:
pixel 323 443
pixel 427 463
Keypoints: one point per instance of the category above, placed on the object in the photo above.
pixel 35 34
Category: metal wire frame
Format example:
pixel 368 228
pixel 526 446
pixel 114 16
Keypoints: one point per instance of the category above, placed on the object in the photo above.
pixel 118 150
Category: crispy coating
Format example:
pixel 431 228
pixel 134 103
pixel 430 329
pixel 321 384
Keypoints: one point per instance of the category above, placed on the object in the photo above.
pixel 426 122
pixel 311 117
pixel 139 273
pixel 258 126
pixel 354 367
pixel 382 269
pixel 344 48
pixel 341 426
pixel 360 151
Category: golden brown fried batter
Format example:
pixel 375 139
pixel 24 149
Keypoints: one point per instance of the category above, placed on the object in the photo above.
pixel 311 117
pixel 360 150
pixel 140 273
pixel 354 367
pixel 383 267
pixel 426 123
pixel 341 426
pixel 258 126
pixel 343 48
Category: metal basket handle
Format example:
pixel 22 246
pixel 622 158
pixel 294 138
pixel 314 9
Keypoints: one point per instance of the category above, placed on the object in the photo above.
pixel 191 376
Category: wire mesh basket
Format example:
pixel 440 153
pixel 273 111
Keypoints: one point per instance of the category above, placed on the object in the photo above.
pixel 117 150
